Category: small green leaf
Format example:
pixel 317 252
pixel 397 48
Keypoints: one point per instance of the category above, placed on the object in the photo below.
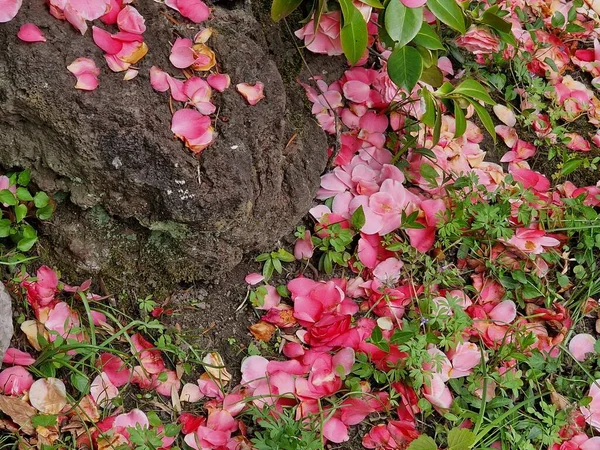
pixel 354 35
pixel 44 420
pixel 23 194
pixel 20 212
pixel 374 3
pixel 429 173
pixel 570 166
pixel 423 442
pixel 402 23
pixel 473 89
pixel 285 256
pixel 5 227
pixel 80 383
pixel 7 197
pixel 428 38
pixel 460 121
pixel 428 117
pixel 433 76
pixel 45 213
pixel 283 8
pixel 25 244
pixel 558 20
pixel 162 377
pixel 358 218
pixel 153 419
pixel 485 118
pixel 277 265
pixel 497 23
pixel 460 439
pixel 405 67
pixel 448 12
pixel 24 178
pixel 41 199
pixel 268 269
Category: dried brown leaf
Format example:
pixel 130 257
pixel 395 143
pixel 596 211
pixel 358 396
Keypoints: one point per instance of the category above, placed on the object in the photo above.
pixel 19 412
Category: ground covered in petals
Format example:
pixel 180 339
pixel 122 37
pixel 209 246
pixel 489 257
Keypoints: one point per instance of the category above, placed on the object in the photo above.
pixel 443 292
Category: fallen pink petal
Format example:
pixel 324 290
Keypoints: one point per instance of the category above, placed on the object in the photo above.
pixel 252 93
pixel 31 33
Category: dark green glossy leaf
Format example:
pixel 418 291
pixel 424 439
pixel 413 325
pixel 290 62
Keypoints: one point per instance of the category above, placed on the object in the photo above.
pixel 401 23
pixel 283 8
pixel 405 67
pixel 448 12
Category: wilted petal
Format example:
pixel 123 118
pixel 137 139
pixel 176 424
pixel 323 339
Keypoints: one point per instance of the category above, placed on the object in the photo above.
pixel 219 81
pixel 17 357
pixel 15 381
pixel 48 395
pixel 130 20
pixel 215 366
pixel 102 390
pixel 252 93
pixel 505 114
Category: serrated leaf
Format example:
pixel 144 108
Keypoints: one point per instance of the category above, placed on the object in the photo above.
pixel 460 439
pixel 428 38
pixel 473 89
pixel 44 420
pixel 423 442
pixel 402 23
pixel 405 67
pixel 485 118
pixel 353 35
pixel 283 8
pixel 448 12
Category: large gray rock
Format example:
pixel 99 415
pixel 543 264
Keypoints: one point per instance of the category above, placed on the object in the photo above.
pixel 131 198
pixel 6 326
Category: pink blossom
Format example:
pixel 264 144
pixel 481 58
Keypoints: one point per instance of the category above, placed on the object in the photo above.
pixel 463 359
pixel 86 72
pixel 15 381
pixel 252 93
pixel 532 241
pixel 9 9
pixel 304 248
pixel 31 33
pixel 327 37
pixel 582 345
pixel 479 41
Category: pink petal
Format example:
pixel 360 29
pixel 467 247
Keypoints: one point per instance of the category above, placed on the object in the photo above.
pixel 31 33
pixel 17 357
pixel 254 370
pixel 195 10
pixel 105 41
pixel 130 74
pixel 9 9
pixel 189 124
pixel 172 382
pixel 102 390
pixel 505 114
pixel 219 81
pixel 158 79
pixel 505 312
pixel 254 278
pixel 182 55
pixel 190 393
pixel 581 345
pixel 115 369
pixel 356 91
pixel 15 381
pixel 110 18
pixel 131 419
pixel 86 72
pixel 413 3
pixel 130 20
pixel 252 93
pixel 334 430
pixel 75 19
pixel 90 9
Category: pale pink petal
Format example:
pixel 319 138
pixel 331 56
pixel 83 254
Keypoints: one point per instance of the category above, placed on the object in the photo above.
pixel 75 19
pixel 189 124
pixel 9 9
pixel 254 369
pixel 48 395
pixel 335 431
pixel 356 91
pixel 130 20
pixel 15 381
pixel 158 79
pixel 17 357
pixel 505 114
pixel 505 312
pixel 115 369
pixel 581 345
pixel 219 81
pixel 30 33
pixel 190 393
pixel 182 55
pixel 102 390
pixel 252 93
pixel 172 382
pixel 131 419
pixel 90 9
pixel 130 74
pixel 254 278
pixel 413 3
